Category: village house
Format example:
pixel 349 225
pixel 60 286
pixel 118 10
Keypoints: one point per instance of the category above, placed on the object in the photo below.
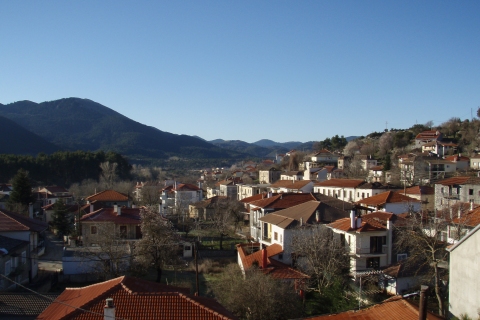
pixel 258 206
pixel 14 255
pixel 343 189
pixel 292 175
pixel 249 190
pixel 463 277
pixel 425 194
pixel 20 227
pixel 279 227
pixel 132 298
pixel 176 197
pixel 462 162
pixel 289 186
pixel 457 189
pixel 391 201
pixel 427 136
pixel 204 210
pixel 324 157
pixel 441 148
pixel 269 176
pixel 475 162
pixel 109 198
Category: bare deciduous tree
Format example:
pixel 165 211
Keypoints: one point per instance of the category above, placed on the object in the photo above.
pixel 159 242
pixel 385 144
pixel 421 239
pixel 322 256
pixel 109 173
pixel 256 296
pixel 227 216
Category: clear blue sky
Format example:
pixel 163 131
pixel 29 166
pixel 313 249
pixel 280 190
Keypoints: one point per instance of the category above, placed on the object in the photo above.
pixel 248 70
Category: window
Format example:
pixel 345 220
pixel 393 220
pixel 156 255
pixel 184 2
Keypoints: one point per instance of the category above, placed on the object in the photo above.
pixel 123 231
pixel 93 230
pixel 376 244
pixel 342 239
pixel 470 192
pixel 280 256
pixel 187 248
pixel 281 238
pixel 275 236
pixel 401 256
pixel 8 267
pixel 373 262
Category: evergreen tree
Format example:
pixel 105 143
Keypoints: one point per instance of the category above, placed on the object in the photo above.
pixel 62 220
pixel 21 195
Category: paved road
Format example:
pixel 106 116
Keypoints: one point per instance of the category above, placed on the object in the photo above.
pixel 52 259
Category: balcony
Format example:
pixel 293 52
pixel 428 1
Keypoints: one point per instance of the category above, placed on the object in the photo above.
pixel 266 239
pixel 454 196
pixel 383 250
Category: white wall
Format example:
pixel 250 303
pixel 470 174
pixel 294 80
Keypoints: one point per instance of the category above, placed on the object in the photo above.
pixel 464 295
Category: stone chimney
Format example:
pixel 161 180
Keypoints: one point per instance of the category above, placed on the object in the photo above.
pixel 422 308
pixel 109 310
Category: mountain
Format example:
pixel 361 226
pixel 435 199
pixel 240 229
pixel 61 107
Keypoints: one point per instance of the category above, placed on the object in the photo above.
pixel 249 148
pixel 18 140
pixel 82 124
pixel 269 143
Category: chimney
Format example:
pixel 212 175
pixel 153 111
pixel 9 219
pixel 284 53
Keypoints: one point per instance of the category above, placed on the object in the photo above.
pixel 352 219
pixel 471 205
pixel 30 210
pixel 359 222
pixel 317 216
pixel 115 208
pixel 264 258
pixel 301 221
pixel 91 207
pixel 119 211
pixel 422 308
pixel 109 310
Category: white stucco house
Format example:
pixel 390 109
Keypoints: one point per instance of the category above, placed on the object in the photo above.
pixel 464 296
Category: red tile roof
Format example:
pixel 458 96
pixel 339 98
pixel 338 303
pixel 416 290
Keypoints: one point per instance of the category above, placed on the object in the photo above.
pixel 108 195
pixel 385 197
pixel 186 187
pixel 290 184
pixel 471 218
pixel 366 226
pixel 283 200
pixel 276 269
pixel 127 216
pixel 456 158
pixel 133 299
pixel 10 221
pixel 459 180
pixel 395 308
pixel 428 135
pixel 340 183
pixel 418 190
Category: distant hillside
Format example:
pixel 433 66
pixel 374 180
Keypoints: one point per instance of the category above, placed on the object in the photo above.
pixel 249 148
pixel 18 140
pixel 82 124
pixel 269 143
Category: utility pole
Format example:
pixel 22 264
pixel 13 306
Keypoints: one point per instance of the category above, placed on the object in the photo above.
pixel 197 293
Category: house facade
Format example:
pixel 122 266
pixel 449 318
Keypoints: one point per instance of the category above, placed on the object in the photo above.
pixel 14 257
pixel 457 189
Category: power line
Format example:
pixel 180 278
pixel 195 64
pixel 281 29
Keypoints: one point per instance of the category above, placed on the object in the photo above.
pixel 60 302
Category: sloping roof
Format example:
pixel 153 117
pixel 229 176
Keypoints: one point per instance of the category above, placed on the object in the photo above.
pixel 333 202
pixel 127 216
pixel 24 304
pixel 133 299
pixel 419 190
pixel 283 200
pixel 428 135
pixel 465 238
pixel 457 157
pixel 366 226
pixel 292 216
pixel 459 181
pixel 276 269
pixel 395 308
pixel 382 217
pixel 385 197
pixel 340 183
pixel 186 187
pixel 108 195
pixel 290 184
pixel 10 221
pixel 471 218
pixel 11 244
pixel 55 189
pixel 208 203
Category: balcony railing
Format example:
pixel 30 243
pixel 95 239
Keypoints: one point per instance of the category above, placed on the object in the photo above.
pixel 382 250
pixel 447 195
pixel 266 239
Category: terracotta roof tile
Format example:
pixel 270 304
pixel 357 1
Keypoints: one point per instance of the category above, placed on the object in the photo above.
pixel 290 184
pixel 283 200
pixel 127 216
pixel 418 190
pixel 459 181
pixel 10 221
pixel 385 197
pixel 366 226
pixel 276 269
pixel 24 304
pixel 395 308
pixel 471 218
pixel 345 183
pixel 108 195
pixel 186 187
pixel 133 299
